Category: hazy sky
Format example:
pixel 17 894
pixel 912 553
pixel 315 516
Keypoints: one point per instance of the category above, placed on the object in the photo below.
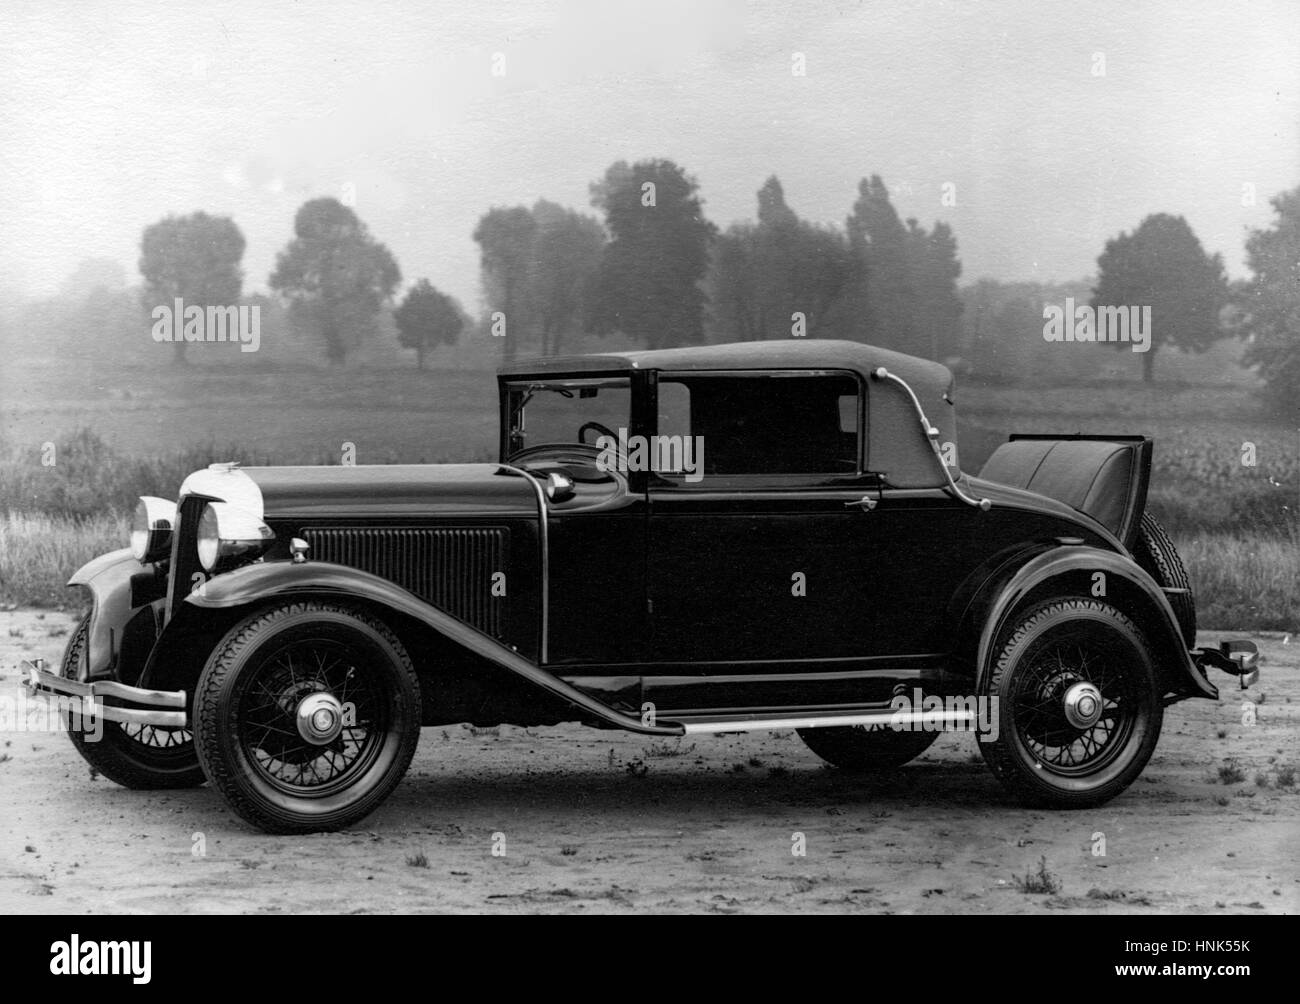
pixel 113 115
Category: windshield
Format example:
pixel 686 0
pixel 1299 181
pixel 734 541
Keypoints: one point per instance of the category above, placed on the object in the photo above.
pixel 565 411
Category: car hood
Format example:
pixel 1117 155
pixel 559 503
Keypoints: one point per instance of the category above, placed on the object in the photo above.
pixel 369 491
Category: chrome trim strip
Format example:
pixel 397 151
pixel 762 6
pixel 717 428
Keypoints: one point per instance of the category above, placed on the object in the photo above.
pixel 932 436
pixel 543 517
pixel 134 716
pixel 885 717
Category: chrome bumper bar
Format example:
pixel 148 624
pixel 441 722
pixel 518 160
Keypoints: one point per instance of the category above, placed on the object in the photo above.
pixel 40 682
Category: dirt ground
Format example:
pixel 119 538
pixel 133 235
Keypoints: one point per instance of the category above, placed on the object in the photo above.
pixel 608 822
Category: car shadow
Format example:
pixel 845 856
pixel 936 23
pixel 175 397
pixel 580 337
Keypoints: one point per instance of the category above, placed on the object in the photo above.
pixel 716 790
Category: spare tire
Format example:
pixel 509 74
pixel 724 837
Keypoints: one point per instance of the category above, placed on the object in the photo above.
pixel 1156 554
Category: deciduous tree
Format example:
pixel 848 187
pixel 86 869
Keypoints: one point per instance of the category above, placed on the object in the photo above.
pixel 650 281
pixel 1162 265
pixel 1270 302
pixel 426 319
pixel 195 258
pixel 335 276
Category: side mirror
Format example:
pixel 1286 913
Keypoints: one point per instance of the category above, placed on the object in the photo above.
pixel 559 487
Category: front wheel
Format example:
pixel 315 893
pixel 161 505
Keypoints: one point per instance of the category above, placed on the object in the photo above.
pixel 307 716
pixel 1078 704
pixel 141 757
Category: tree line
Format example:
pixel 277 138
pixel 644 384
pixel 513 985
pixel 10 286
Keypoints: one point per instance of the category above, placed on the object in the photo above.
pixel 649 266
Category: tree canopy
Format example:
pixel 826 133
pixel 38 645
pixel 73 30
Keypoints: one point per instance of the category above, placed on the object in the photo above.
pixel 335 276
pixel 426 319
pixel 1162 265
pixel 649 284
pixel 1271 302
pixel 195 258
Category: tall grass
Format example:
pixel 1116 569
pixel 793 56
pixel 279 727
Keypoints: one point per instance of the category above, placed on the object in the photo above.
pixel 82 477
pixel 39 552
pixel 1234 526
pixel 1244 582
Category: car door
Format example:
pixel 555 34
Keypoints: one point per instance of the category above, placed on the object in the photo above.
pixel 760 558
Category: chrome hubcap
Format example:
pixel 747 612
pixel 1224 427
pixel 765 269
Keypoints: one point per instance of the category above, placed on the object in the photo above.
pixel 1083 705
pixel 320 718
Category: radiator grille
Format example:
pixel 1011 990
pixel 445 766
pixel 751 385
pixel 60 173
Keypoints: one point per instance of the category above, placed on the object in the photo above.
pixel 449 568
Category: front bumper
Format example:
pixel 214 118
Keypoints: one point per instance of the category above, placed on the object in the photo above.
pixel 162 708
pixel 1237 657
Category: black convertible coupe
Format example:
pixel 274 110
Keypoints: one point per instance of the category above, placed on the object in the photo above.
pixel 769 535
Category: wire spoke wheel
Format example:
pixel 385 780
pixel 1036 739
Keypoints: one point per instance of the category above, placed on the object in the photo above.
pixel 1066 747
pixel 306 716
pixel 143 757
pixel 1079 709
pixel 156 737
pixel 311 765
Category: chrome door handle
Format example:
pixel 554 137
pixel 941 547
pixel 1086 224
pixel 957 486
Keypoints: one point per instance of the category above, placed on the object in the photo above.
pixel 866 504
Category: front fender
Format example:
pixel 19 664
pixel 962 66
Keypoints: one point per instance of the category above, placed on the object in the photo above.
pixel 258 583
pixel 1128 587
pixel 108 578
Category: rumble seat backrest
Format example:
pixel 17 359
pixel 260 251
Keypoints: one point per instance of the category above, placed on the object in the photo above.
pixel 1094 476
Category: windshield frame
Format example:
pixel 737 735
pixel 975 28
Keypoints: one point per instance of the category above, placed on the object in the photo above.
pixel 507 386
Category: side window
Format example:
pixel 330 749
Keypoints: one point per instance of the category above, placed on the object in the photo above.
pixel 783 424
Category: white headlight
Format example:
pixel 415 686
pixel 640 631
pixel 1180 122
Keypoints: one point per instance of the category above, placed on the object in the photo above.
pixel 151 528
pixel 226 532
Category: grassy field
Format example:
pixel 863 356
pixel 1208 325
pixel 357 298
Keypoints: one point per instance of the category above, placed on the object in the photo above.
pixel 119 432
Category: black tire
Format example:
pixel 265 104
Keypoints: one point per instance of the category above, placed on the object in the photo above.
pixel 859 748
pixel 141 757
pixel 1158 557
pixel 250 698
pixel 1039 754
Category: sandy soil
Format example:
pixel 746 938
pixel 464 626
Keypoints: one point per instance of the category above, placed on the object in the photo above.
pixel 607 822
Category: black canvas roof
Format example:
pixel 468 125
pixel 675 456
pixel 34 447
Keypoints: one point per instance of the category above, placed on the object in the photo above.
pixel 896 446
pixel 793 353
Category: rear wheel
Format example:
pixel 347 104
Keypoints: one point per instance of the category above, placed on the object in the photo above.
pixel 866 748
pixel 307 716
pixel 1158 557
pixel 1078 705
pixel 142 757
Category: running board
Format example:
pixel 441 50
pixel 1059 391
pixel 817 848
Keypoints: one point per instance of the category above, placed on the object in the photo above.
pixel 901 720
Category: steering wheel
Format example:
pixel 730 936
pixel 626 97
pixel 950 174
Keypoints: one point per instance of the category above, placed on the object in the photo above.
pixel 582 453
pixel 582 429
pixel 579 460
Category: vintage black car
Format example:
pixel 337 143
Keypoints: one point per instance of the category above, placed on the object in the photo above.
pixel 770 535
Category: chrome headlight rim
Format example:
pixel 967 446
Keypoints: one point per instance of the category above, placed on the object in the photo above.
pixel 227 534
pixel 152 525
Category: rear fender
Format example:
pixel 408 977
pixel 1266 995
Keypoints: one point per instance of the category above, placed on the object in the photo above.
pixel 225 599
pixel 1071 571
